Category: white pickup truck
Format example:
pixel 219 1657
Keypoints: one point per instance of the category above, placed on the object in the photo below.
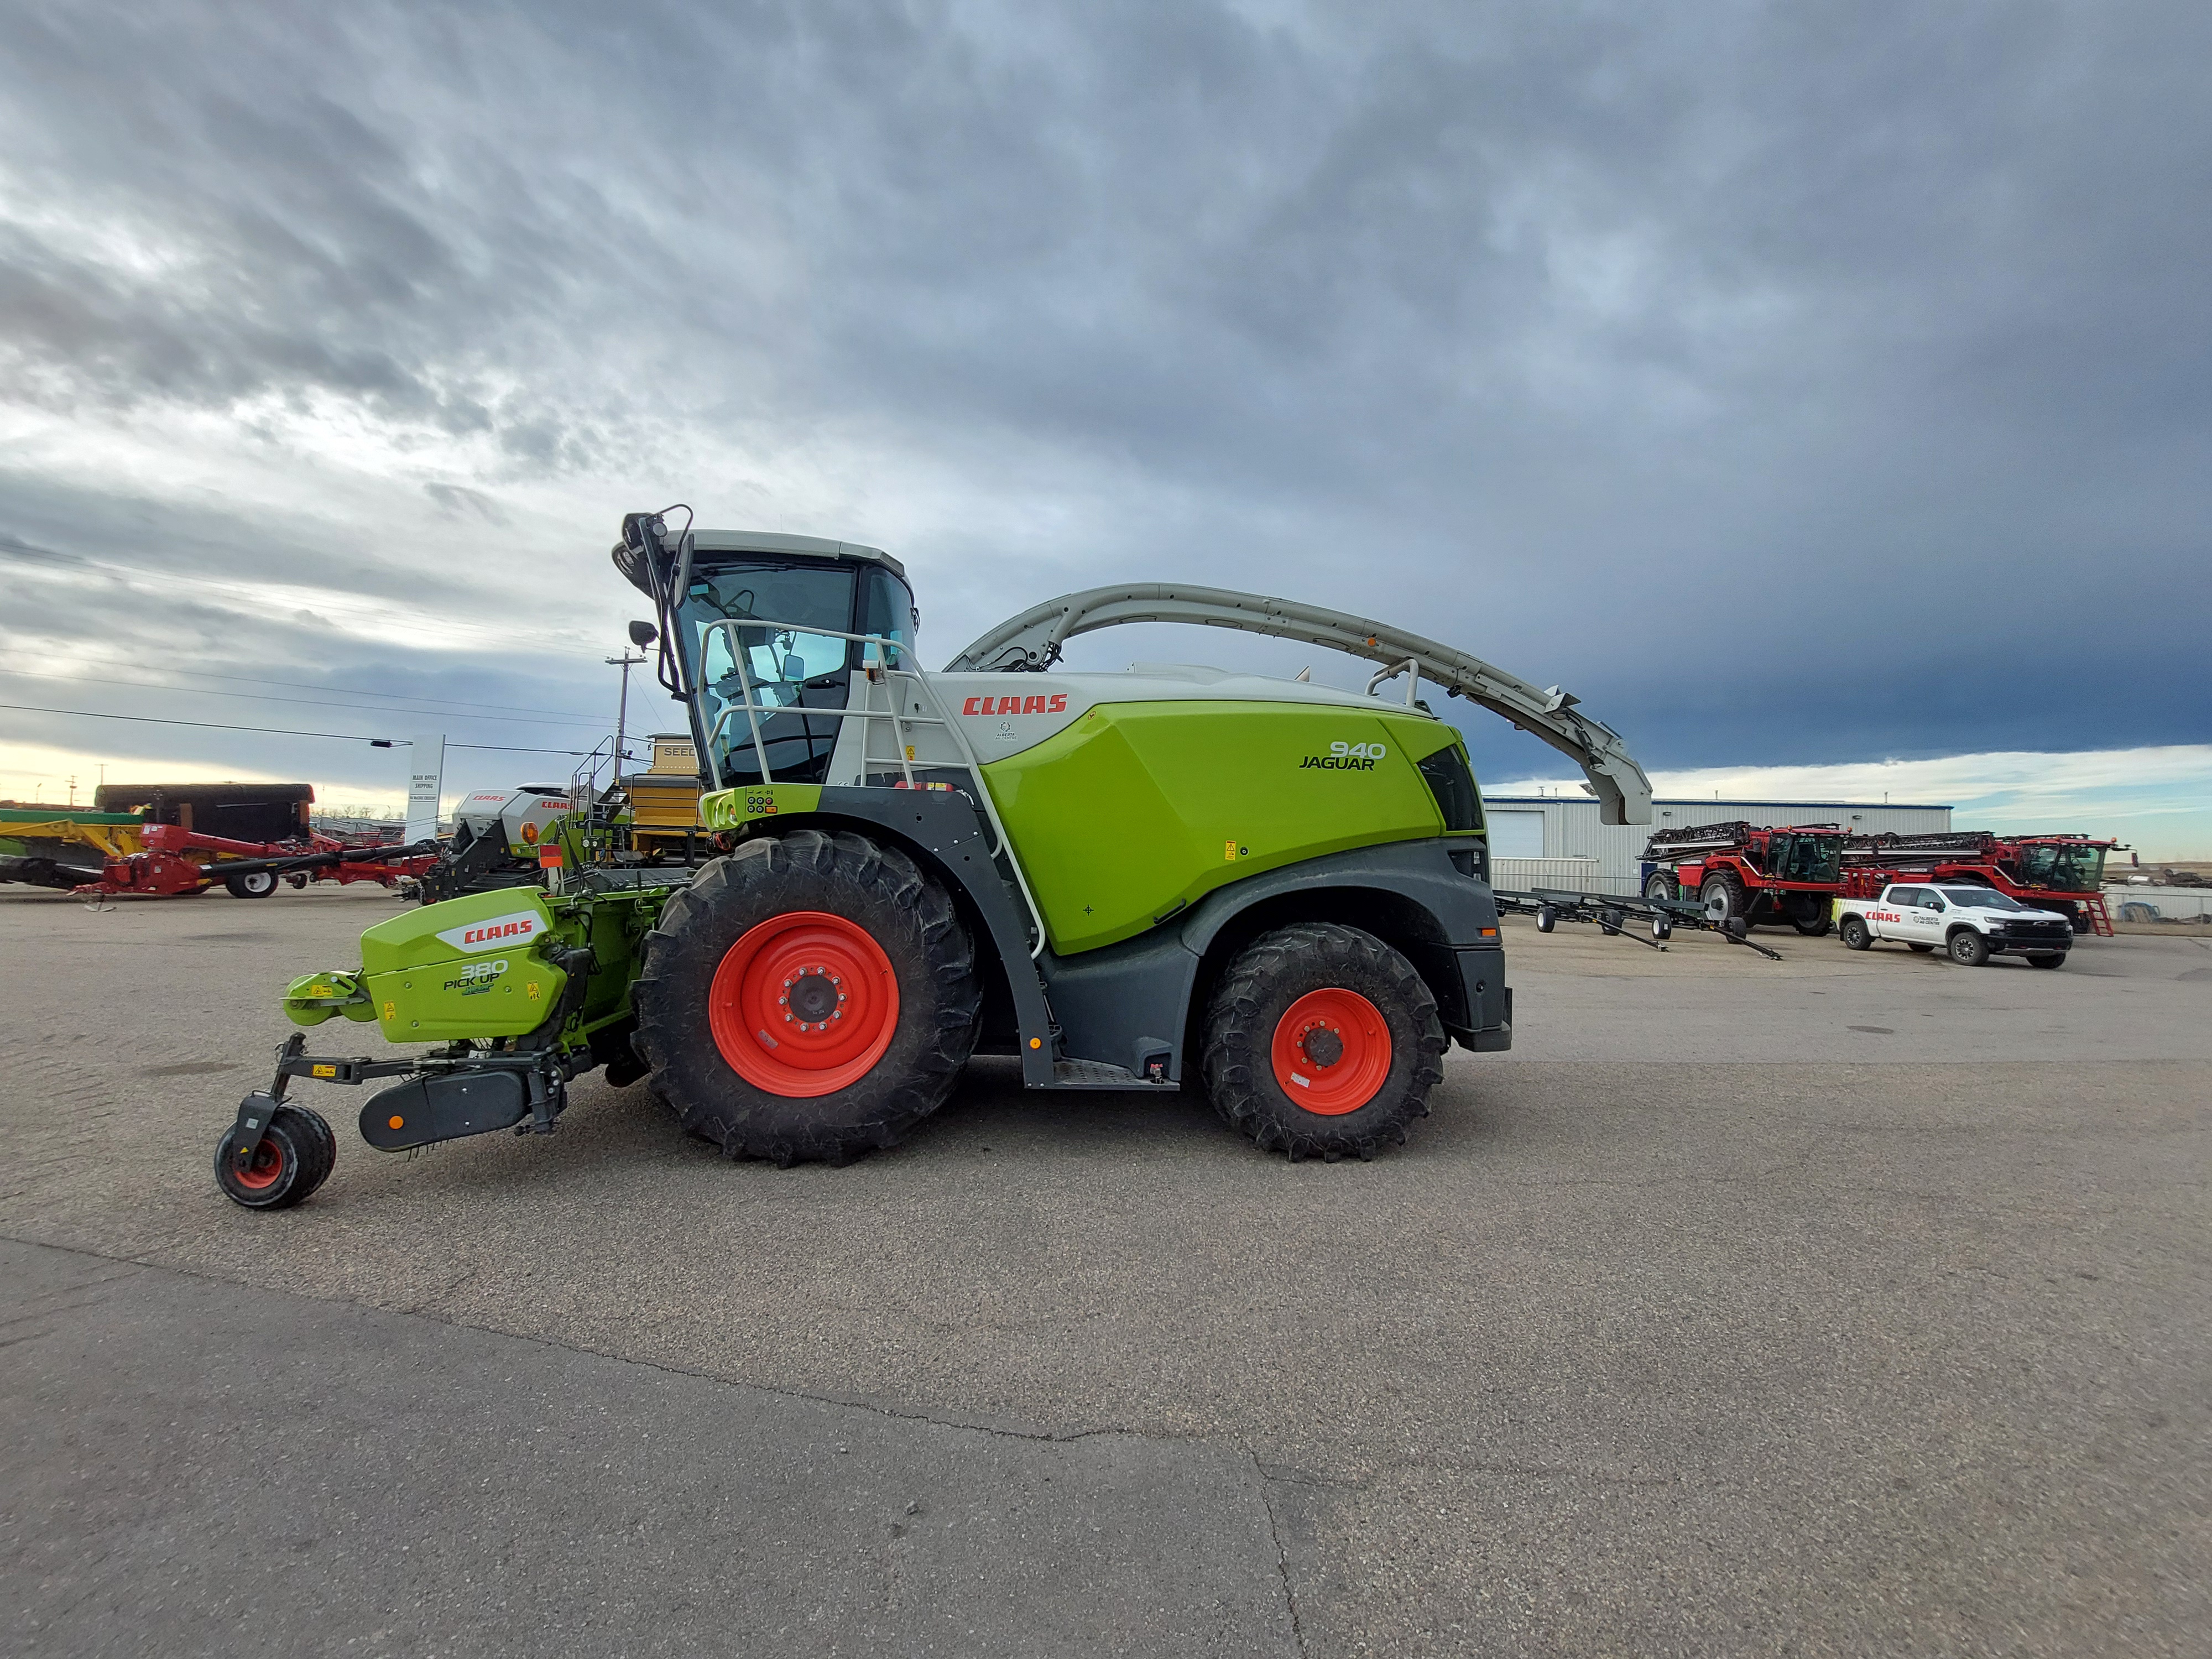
pixel 1971 923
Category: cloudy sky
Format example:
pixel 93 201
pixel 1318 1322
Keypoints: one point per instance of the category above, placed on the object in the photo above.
pixel 1805 385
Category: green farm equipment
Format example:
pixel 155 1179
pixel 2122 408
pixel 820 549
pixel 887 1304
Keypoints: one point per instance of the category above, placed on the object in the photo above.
pixel 1267 889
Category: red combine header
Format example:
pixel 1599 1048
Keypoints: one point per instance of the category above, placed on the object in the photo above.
pixel 1743 872
pixel 2065 874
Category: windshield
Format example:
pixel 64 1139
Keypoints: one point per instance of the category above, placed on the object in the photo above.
pixel 1804 857
pixel 1982 898
pixel 2063 869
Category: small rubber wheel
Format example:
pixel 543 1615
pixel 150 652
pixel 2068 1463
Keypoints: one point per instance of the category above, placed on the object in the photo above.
pixel 808 997
pixel 1855 934
pixel 2057 961
pixel 297 881
pixel 292 1158
pixel 1660 885
pixel 1920 948
pixel 1968 948
pixel 256 884
pixel 1321 1041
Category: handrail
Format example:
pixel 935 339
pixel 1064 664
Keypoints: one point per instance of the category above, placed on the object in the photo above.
pixel 1032 641
pixel 753 709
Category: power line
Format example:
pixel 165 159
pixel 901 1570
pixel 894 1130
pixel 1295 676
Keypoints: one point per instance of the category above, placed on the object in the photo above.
pixel 349 691
pixel 309 702
pixel 275 731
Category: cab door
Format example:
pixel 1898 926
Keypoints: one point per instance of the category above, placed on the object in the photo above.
pixel 1924 917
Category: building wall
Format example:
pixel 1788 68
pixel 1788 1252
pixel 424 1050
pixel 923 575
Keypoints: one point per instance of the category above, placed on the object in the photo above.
pixel 1571 829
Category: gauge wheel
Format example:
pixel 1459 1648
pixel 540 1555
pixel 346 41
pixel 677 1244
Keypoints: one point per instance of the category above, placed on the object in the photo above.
pixel 255 883
pixel 1968 948
pixel 293 1157
pixel 1321 1041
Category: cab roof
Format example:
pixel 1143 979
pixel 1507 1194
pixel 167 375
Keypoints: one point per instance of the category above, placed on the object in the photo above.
pixel 805 547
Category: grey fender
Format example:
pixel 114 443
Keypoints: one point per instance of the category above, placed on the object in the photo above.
pixel 1124 999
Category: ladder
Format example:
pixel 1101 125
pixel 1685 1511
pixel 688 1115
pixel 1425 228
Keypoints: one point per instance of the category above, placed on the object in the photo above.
pixel 2100 920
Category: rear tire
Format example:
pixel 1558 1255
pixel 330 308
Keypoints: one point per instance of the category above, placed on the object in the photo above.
pixel 1335 1014
pixel 1660 885
pixel 293 1157
pixel 1724 898
pixel 1968 948
pixel 1855 934
pixel 2057 961
pixel 259 884
pixel 836 918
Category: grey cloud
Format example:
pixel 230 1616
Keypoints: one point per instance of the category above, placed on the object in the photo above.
pixel 1642 349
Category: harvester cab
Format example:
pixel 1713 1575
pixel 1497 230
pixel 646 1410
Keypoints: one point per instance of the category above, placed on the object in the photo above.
pixel 1273 891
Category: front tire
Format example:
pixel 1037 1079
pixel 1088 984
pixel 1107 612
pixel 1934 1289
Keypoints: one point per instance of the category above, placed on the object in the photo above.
pixel 1660 885
pixel 809 997
pixel 1968 948
pixel 1321 1041
pixel 258 884
pixel 2058 960
pixel 1855 934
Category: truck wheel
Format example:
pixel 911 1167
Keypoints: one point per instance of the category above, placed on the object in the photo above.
pixel 1660 885
pixel 259 884
pixel 1723 897
pixel 1321 1041
pixel 293 1157
pixel 2054 961
pixel 1855 934
pixel 808 997
pixel 1968 948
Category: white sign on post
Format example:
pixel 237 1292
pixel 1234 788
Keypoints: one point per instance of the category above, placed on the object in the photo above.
pixel 426 782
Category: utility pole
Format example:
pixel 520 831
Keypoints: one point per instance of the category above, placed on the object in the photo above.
pixel 625 662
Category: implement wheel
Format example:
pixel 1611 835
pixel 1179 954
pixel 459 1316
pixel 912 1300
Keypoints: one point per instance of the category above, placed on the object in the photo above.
pixel 292 1158
pixel 258 884
pixel 808 997
pixel 1323 1041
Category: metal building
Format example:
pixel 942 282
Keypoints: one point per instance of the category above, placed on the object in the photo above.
pixel 1556 841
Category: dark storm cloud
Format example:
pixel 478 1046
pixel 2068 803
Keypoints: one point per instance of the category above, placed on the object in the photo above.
pixel 1788 380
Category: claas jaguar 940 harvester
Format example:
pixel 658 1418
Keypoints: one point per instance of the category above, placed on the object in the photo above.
pixel 1269 889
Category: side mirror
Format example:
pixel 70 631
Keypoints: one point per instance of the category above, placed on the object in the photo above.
pixel 642 634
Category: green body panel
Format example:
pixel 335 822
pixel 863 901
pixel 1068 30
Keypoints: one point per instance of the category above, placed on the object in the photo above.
pixel 313 998
pixel 728 809
pixel 1141 808
pixel 471 967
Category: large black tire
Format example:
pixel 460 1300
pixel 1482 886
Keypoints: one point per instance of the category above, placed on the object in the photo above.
pixel 2056 960
pixel 1968 948
pixel 258 884
pixel 1918 948
pixel 293 1158
pixel 869 887
pixel 1855 934
pixel 1254 996
pixel 1660 885
pixel 1723 897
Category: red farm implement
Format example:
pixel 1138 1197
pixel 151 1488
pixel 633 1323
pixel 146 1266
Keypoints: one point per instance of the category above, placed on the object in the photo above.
pixel 2065 874
pixel 1744 872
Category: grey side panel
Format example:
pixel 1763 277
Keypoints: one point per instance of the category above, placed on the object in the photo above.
pixel 946 825
pixel 1110 1001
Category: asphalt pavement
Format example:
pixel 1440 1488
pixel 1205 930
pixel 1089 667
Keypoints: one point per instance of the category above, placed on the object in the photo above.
pixel 1854 1303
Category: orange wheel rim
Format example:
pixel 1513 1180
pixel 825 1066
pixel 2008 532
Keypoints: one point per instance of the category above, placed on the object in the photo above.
pixel 804 1004
pixel 1332 1051
pixel 263 1169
